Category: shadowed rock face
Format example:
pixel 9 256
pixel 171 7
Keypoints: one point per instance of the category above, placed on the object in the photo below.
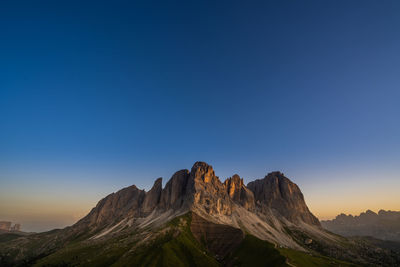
pixel 152 198
pixel 278 193
pixel 125 202
pixel 176 191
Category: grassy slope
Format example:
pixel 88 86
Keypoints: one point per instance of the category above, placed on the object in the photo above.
pixel 181 250
pixel 299 258
pixel 168 249
pixel 9 236
pixel 256 252
pixel 386 244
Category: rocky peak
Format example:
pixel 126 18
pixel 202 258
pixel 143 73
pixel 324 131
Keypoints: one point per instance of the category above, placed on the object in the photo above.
pixel 201 171
pixel 277 192
pixel 157 184
pixel 210 195
pixel 236 179
pixel 175 192
pixel 389 214
pixel 343 216
pixel 238 192
pixel 233 186
pixel 152 197
pixel 369 213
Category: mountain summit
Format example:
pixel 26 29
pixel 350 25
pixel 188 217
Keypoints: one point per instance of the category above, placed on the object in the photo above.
pixel 263 207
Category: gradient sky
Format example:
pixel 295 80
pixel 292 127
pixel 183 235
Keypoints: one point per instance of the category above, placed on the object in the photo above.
pixel 99 95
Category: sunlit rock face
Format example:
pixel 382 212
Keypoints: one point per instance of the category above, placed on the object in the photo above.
pixel 239 193
pixel 209 193
pixel 278 193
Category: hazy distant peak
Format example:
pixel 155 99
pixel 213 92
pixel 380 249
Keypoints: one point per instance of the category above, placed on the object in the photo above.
pixel 384 225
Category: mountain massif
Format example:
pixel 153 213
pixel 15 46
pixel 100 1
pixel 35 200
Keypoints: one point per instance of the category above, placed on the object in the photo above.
pixel 383 225
pixel 197 220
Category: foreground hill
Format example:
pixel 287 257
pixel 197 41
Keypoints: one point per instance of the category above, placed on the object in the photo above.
pixel 196 220
pixel 7 235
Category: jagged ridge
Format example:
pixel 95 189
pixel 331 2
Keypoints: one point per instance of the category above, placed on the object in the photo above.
pixel 263 207
pixel 383 225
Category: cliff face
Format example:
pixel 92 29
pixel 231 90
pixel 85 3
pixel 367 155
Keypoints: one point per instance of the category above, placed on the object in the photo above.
pixel 209 193
pixel 176 191
pixel 152 198
pixel 125 202
pixel 278 193
pixel 133 203
pixel 239 193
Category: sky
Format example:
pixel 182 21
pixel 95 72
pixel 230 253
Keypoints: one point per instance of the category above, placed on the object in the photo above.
pixel 96 96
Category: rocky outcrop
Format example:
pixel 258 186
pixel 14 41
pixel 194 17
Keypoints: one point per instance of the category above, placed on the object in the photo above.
pixel 239 193
pixel 276 192
pixel 209 193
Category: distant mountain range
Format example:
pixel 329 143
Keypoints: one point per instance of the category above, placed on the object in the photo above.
pixel 197 220
pixel 383 225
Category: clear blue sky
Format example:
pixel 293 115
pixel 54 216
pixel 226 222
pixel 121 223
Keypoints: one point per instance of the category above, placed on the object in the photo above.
pixel 99 95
